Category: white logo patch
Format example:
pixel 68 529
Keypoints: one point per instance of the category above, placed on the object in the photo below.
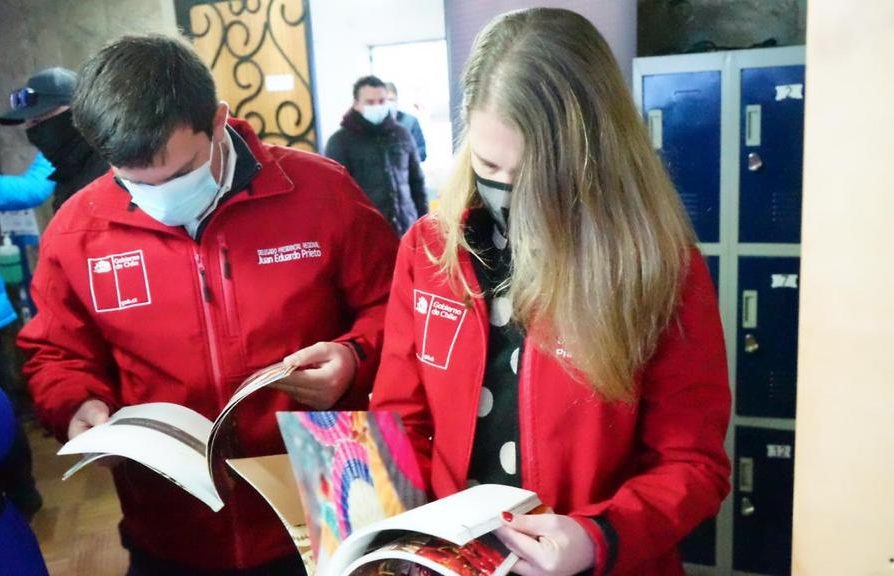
pixel 289 253
pixel 119 281
pixel 443 319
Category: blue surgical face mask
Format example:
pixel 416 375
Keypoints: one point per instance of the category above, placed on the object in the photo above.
pixel 376 113
pixel 182 200
pixel 495 196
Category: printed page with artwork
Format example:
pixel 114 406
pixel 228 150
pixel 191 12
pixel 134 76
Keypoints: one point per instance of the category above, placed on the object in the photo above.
pixel 364 501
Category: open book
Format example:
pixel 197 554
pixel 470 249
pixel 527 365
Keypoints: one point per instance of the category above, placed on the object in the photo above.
pixel 173 440
pixel 361 492
pixel 451 536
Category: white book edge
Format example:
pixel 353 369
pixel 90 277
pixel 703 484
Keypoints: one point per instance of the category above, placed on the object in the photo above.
pixel 180 462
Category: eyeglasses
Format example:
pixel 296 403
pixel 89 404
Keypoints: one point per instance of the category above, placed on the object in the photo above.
pixel 22 98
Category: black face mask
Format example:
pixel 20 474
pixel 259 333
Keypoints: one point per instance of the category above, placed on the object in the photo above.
pixel 495 197
pixel 53 136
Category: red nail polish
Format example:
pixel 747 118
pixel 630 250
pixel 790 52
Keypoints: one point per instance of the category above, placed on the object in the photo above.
pixel 507 516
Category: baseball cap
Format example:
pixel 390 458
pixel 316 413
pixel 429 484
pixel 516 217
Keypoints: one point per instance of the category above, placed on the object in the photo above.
pixel 46 90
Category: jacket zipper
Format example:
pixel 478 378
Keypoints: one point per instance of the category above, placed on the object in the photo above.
pixel 210 332
pixel 217 375
pixel 226 273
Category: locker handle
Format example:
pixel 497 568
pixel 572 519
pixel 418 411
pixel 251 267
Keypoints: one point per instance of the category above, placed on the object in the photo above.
pixel 656 128
pixel 755 162
pixel 746 474
pixel 753 125
pixel 749 309
pixel 747 507
pixel 751 344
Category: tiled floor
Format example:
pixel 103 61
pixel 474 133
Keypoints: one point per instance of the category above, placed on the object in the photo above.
pixel 78 524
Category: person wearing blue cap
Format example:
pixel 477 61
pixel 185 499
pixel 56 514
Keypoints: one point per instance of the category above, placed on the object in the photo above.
pixel 43 107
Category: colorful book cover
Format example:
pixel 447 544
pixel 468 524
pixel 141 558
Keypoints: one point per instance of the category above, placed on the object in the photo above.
pixel 352 469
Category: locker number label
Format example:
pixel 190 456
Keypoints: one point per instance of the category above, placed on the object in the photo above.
pixel 782 451
pixel 789 91
pixel 784 281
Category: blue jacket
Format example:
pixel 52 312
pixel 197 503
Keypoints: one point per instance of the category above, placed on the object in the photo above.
pixel 411 123
pixel 28 189
pixel 20 192
pixel 19 552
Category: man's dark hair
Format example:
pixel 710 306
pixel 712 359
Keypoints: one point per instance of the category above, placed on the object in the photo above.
pixel 372 81
pixel 136 91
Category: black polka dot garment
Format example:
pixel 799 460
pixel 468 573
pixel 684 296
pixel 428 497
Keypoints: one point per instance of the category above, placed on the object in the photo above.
pixel 495 450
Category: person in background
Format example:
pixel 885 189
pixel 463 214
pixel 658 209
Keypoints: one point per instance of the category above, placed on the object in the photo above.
pixel 43 107
pixel 19 552
pixel 29 189
pixel 407 120
pixel 203 256
pixel 21 192
pixel 553 326
pixel 380 155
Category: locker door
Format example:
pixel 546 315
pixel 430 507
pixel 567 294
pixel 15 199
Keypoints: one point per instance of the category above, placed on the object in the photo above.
pixel 771 148
pixel 683 114
pixel 767 339
pixel 700 546
pixel 713 263
pixel 764 483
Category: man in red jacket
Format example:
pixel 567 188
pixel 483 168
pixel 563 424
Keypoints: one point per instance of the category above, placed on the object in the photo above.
pixel 201 257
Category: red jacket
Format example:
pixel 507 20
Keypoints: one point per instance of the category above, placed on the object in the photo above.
pixel 637 476
pixel 132 311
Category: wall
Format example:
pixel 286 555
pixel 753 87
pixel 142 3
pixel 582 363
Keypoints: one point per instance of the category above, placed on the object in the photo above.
pixel 616 20
pixel 673 26
pixel 37 34
pixel 844 505
pixel 342 32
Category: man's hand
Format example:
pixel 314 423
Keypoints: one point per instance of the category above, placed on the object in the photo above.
pixel 323 374
pixel 547 544
pixel 90 414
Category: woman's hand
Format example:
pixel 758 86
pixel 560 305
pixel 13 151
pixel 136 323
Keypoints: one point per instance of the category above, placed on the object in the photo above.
pixel 547 544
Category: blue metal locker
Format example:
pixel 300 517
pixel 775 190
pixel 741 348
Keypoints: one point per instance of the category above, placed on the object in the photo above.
pixel 683 113
pixel 767 336
pixel 700 547
pixel 713 263
pixel 763 487
pixel 771 154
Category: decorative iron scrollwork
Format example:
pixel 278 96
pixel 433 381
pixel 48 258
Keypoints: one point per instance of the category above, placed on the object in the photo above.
pixel 244 42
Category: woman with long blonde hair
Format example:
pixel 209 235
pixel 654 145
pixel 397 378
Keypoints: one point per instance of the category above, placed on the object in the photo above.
pixel 552 326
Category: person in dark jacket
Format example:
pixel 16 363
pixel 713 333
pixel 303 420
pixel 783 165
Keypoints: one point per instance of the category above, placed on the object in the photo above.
pixel 407 120
pixel 380 155
pixel 42 105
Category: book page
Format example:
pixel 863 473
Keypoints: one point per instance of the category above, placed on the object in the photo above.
pixel 352 469
pixel 418 554
pixel 168 438
pixel 458 518
pixel 272 477
pixel 258 380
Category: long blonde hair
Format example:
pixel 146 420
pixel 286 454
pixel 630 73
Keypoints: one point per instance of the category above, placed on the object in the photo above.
pixel 599 237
